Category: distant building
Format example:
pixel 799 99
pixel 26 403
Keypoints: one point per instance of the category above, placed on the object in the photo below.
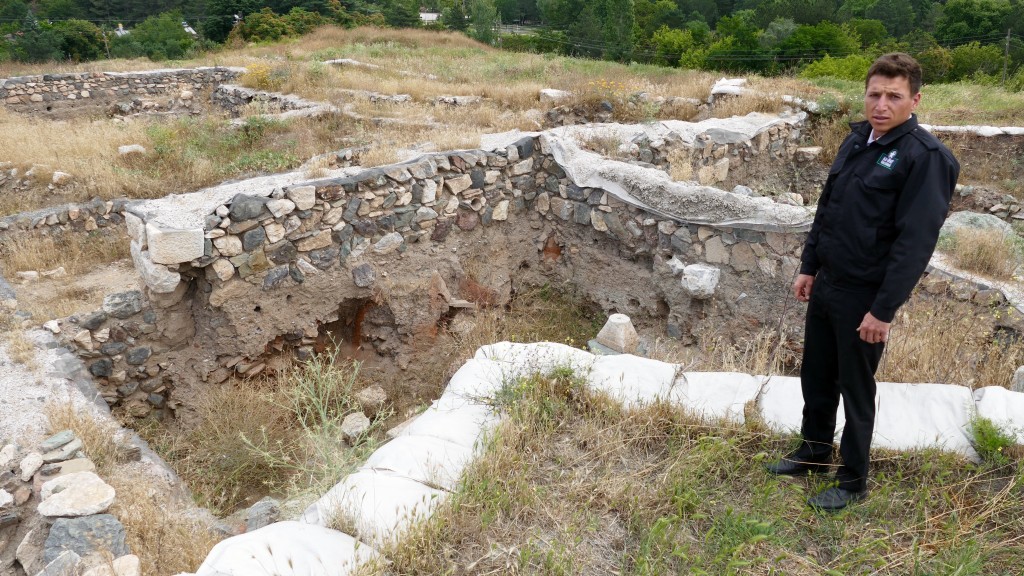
pixel 429 17
pixel 120 30
pixel 188 28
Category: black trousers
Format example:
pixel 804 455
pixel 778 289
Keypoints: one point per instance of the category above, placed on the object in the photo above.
pixel 838 363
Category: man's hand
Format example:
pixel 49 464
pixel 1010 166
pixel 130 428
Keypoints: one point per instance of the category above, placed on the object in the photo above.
pixel 802 287
pixel 872 330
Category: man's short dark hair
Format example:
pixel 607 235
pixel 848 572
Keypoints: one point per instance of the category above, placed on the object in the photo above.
pixel 897 65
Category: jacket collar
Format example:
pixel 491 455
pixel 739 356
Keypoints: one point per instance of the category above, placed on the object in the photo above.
pixel 864 129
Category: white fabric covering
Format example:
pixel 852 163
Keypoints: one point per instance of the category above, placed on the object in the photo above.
pixel 716 395
pixel 463 425
pixel 287 549
pixel 909 416
pixel 632 380
pixel 425 459
pixel 380 504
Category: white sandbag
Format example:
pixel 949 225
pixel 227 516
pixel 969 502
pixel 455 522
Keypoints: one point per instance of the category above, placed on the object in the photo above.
pixel 1003 407
pixel 716 395
pixel 632 380
pixel 425 459
pixel 380 505
pixel 910 416
pixel 536 358
pixel 285 549
pixel 781 404
pixel 464 425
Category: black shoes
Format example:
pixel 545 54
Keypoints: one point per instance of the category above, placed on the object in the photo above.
pixel 790 467
pixel 835 498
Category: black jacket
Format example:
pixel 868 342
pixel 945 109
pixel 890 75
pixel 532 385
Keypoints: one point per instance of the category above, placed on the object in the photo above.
pixel 880 213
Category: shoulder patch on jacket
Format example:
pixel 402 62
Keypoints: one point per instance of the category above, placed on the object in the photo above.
pixel 926 138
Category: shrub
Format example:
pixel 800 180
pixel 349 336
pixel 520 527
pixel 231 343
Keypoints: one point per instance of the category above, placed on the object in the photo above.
pixel 972 58
pixel 264 26
pixel 80 40
pixel 854 67
pixel 158 37
pixel 37 42
pixel 991 441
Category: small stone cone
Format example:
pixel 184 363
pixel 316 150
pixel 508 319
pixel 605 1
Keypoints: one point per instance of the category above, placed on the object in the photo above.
pixel 619 335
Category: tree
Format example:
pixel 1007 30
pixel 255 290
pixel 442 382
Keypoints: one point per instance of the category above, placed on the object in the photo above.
pixel 454 17
pixel 37 42
pixel 897 15
pixel 483 17
pixel 974 58
pixel 60 10
pixel 265 26
pixel 870 32
pixel 158 37
pixel 617 28
pixel 822 38
pixel 81 40
pixel 670 44
pixel 777 32
pixel 220 16
pixel 972 18
pixel 402 13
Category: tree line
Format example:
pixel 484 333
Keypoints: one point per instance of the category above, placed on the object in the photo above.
pixel 954 39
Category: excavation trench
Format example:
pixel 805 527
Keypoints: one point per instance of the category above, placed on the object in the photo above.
pixel 400 268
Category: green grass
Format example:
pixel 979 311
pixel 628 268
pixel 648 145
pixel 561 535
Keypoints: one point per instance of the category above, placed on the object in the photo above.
pixel 572 483
pixel 946 104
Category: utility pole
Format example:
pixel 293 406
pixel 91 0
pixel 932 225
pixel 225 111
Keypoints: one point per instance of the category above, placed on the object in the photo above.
pixel 1006 56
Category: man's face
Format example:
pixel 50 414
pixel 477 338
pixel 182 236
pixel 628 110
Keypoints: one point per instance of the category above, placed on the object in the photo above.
pixel 888 102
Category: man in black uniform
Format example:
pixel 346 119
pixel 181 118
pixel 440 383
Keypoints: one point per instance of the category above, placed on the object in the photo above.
pixel 877 223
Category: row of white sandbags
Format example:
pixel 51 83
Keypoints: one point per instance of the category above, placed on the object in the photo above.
pixel 406 479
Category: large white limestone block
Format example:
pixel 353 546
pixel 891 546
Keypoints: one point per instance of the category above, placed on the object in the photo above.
pixel 464 425
pixel 174 246
pixel 425 459
pixel 716 395
pixel 1003 407
pixel 287 549
pixel 380 505
pixel 136 228
pixel 632 380
pixel 912 416
pixel 157 277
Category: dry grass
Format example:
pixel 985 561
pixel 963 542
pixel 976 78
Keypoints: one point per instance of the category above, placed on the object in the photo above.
pixel 20 348
pixel 76 252
pixel 183 154
pixel 573 483
pixel 99 437
pixel 829 134
pixel 606 144
pixel 945 341
pixel 680 162
pixel 279 436
pixel 166 541
pixel 990 252
pixel 745 104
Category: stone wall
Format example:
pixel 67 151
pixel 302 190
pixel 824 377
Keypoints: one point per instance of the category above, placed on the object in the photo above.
pixel 92 91
pixel 236 98
pixel 235 277
pixel 80 217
